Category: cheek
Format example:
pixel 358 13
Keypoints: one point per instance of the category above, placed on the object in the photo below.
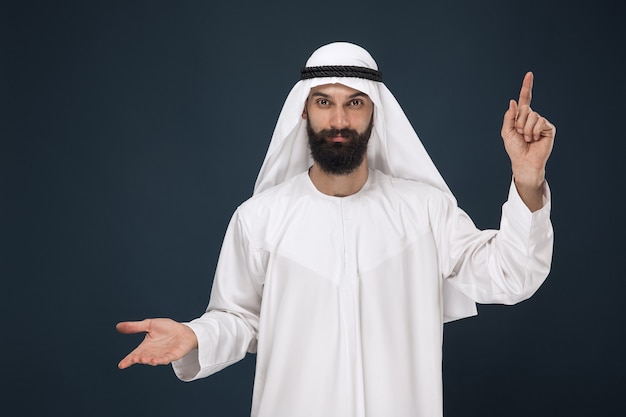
pixel 363 123
pixel 317 123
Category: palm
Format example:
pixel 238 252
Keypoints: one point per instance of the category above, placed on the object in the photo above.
pixel 166 340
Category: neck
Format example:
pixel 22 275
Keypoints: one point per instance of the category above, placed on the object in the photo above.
pixel 339 185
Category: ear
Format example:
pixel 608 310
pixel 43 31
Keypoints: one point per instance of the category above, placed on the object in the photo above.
pixel 304 107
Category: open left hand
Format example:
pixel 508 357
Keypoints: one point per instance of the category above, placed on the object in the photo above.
pixel 528 138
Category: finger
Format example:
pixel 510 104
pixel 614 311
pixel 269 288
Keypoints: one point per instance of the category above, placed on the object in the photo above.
pixel 129 327
pixel 133 359
pixel 125 363
pixel 129 360
pixel 550 129
pixel 521 118
pixel 542 128
pixel 138 356
pixel 508 123
pixel 529 127
pixel 526 93
pixel 151 358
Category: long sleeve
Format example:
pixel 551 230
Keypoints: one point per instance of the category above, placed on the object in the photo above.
pixel 502 266
pixel 229 327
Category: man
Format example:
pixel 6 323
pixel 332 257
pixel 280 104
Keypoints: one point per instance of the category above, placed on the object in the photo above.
pixel 341 270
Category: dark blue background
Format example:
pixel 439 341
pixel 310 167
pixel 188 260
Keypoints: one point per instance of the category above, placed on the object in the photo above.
pixel 131 131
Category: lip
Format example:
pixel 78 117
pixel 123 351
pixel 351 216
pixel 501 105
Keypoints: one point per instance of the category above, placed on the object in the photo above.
pixel 338 139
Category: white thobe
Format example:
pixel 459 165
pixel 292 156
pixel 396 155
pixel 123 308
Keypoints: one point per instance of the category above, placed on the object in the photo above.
pixel 341 297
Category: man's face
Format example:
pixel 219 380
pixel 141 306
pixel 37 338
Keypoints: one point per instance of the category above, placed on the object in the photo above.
pixel 339 124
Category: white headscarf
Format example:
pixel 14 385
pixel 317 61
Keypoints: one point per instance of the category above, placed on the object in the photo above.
pixel 393 148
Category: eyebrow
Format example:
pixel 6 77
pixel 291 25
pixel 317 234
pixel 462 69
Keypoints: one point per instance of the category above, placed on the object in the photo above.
pixel 355 95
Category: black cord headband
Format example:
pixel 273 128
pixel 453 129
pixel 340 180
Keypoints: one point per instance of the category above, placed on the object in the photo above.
pixel 340 71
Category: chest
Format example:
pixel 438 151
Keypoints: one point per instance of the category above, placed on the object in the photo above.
pixel 347 236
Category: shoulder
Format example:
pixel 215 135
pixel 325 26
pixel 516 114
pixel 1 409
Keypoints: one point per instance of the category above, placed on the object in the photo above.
pixel 408 191
pixel 268 213
pixel 411 198
pixel 272 201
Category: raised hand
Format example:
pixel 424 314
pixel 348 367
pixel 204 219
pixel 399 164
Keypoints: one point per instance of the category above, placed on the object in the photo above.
pixel 166 341
pixel 528 140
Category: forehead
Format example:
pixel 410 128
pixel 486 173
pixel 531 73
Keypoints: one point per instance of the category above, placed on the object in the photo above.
pixel 336 90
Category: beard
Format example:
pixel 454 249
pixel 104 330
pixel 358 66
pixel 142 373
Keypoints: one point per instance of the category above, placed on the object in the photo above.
pixel 338 158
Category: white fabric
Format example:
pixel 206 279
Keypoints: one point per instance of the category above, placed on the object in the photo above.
pixel 394 147
pixel 343 298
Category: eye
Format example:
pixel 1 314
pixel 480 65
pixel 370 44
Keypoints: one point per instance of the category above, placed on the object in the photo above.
pixel 356 102
pixel 322 102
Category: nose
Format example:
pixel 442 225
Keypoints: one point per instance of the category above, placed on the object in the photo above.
pixel 339 118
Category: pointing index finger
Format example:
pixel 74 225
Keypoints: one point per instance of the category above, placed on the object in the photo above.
pixel 526 93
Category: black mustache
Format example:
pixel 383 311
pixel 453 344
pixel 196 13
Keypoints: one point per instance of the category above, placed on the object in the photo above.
pixel 346 133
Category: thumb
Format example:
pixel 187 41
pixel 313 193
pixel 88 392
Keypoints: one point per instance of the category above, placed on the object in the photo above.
pixel 129 327
pixel 508 124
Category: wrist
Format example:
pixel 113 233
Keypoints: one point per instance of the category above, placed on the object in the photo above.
pixel 529 179
pixel 190 336
pixel 530 190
